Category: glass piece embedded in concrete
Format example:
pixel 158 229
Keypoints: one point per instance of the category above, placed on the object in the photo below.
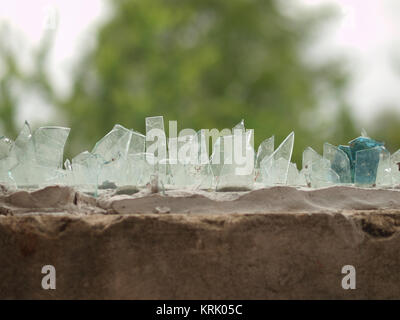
pixel 340 163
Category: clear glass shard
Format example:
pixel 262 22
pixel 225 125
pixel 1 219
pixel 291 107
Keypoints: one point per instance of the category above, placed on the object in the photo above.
pixel 156 142
pixel 395 166
pixel 192 168
pixel 114 145
pixel 23 148
pixel 67 165
pixel 29 175
pixel 238 174
pixel 322 174
pixel 274 169
pixel 364 133
pixel 293 175
pixel 340 162
pixel 265 149
pixel 141 166
pixel 301 179
pixel 309 157
pixel 6 162
pixel 165 178
pixel 240 126
pixel 49 145
pixel 86 167
pixel 112 173
pixel 384 171
pixel 137 144
pixel 366 166
pixel 222 154
pixel 203 147
pixel 318 170
pixel 5 147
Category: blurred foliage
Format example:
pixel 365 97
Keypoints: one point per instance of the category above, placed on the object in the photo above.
pixel 386 129
pixel 206 64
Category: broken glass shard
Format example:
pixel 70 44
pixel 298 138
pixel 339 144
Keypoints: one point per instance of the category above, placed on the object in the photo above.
pixel 317 170
pixel 137 144
pixel 155 137
pixel 23 149
pixel 395 166
pixel 237 172
pixel 141 166
pixel 274 169
pixel 340 163
pixel 366 166
pixel 49 145
pixel 114 145
pixel 265 149
pixel 5 147
pixel 384 171
pixel 295 178
pixel 85 168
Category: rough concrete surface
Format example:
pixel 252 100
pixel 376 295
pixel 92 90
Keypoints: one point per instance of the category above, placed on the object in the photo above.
pixel 294 249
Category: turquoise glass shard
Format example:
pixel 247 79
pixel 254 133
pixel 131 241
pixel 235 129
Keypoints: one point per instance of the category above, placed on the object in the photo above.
pixel 274 169
pixel 340 163
pixel 357 145
pixel 363 143
pixel 366 166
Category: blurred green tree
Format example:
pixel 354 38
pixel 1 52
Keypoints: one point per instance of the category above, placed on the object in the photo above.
pixel 207 64
pixel 386 128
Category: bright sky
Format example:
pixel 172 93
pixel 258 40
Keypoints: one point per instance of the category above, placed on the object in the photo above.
pixel 367 32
